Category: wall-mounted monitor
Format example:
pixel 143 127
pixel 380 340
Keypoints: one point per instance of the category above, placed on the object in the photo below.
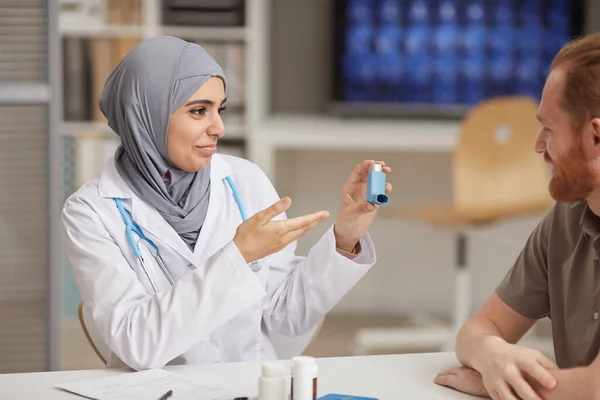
pixel 440 57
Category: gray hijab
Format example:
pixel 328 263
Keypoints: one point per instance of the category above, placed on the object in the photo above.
pixel 139 96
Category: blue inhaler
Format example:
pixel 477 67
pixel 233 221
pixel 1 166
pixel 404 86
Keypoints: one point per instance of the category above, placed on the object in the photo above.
pixel 376 185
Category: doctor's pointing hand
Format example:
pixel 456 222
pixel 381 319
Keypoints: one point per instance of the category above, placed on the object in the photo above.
pixel 183 255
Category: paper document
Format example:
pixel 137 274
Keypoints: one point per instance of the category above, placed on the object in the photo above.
pixel 146 385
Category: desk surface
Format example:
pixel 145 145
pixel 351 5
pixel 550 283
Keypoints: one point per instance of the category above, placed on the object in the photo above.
pixel 390 377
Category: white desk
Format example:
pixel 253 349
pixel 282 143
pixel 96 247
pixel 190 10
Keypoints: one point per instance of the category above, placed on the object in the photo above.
pixel 390 377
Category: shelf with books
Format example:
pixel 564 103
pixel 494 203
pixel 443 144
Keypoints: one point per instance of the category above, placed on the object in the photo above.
pixel 97 34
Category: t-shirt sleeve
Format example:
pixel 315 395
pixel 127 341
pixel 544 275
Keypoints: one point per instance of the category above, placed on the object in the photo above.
pixel 525 286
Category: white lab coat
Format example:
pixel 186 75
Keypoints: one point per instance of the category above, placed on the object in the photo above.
pixel 219 310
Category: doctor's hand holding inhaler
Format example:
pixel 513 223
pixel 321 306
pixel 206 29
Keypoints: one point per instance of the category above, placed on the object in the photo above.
pixel 183 255
pixel 358 209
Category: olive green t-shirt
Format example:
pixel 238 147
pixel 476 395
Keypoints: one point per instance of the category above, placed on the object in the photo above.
pixel 557 275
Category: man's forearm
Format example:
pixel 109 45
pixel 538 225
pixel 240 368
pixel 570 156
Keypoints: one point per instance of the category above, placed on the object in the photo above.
pixel 572 384
pixel 474 337
pixel 580 383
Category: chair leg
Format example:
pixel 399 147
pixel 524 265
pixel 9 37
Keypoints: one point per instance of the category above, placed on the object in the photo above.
pixel 462 290
pixel 429 334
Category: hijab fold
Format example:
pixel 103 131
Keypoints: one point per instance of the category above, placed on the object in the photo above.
pixel 139 96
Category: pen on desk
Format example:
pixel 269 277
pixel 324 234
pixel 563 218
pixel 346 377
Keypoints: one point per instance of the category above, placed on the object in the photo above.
pixel 166 395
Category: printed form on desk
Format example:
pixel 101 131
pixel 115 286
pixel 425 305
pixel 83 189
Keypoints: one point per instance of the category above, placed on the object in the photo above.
pixel 146 385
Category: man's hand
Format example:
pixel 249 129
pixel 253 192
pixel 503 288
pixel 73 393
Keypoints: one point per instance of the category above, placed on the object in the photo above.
pixel 463 379
pixel 508 370
pixel 572 384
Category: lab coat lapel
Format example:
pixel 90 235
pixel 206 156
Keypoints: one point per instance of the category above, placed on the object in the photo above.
pixel 219 170
pixel 149 219
pixel 112 185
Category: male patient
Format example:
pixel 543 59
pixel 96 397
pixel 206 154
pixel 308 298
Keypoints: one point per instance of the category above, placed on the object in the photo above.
pixel 557 274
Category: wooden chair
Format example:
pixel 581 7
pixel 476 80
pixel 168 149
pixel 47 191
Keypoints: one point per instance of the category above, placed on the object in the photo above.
pixel 92 335
pixel 496 175
pixel 285 346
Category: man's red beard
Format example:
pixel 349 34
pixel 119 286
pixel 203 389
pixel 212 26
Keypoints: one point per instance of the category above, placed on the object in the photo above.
pixel 573 178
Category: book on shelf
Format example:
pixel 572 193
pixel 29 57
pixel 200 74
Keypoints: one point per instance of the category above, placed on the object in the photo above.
pixel 124 12
pixel 203 12
pixel 87 62
pixel 106 54
pixel 76 78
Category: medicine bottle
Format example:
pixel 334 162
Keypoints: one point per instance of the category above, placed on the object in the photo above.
pixel 272 384
pixel 304 378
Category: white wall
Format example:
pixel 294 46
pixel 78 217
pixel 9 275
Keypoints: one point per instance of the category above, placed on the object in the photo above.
pixel 415 261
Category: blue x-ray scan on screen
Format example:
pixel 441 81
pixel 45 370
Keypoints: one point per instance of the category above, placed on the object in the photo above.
pixel 447 52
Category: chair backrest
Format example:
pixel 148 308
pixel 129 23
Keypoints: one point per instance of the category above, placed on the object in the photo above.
pixel 495 166
pixel 91 333
pixel 286 347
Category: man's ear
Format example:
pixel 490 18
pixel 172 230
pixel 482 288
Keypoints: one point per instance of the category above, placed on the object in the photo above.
pixel 594 130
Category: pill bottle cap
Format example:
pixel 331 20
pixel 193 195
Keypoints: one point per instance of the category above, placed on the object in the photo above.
pixel 303 360
pixel 273 369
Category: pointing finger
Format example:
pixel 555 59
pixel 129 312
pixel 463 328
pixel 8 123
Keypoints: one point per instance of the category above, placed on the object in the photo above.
pixel 274 210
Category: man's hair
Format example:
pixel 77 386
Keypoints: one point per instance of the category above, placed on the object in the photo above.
pixel 580 59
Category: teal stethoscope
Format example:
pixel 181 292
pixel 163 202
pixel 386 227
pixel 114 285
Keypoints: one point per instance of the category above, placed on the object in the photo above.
pixel 131 227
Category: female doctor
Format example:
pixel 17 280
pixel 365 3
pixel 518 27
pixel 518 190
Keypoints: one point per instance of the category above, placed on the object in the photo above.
pixel 184 256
